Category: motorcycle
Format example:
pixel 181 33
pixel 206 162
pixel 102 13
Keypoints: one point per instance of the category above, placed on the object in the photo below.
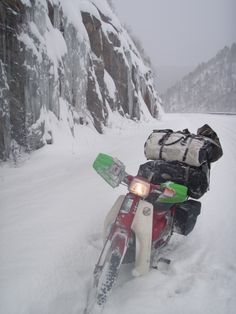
pixel 133 231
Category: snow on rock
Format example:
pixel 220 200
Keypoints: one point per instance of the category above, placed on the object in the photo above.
pixel 73 50
pixel 111 87
pixel 5 129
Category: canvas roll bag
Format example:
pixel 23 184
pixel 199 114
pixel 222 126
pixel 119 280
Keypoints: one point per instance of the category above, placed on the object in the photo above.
pixel 181 146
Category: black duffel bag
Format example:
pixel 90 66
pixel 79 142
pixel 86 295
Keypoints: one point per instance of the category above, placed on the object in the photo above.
pixel 195 178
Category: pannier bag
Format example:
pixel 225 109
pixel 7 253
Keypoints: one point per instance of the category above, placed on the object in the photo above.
pixel 181 146
pixel 186 216
pixel 195 178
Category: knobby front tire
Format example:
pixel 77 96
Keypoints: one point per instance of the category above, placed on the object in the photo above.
pixel 108 276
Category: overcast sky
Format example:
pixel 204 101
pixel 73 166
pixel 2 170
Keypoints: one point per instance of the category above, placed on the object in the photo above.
pixel 180 32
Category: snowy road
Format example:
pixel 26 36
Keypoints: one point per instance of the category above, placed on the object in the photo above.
pixel 52 207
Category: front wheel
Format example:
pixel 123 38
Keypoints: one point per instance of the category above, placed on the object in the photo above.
pixel 107 268
pixel 108 277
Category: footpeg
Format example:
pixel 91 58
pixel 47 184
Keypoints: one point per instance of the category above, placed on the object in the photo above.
pixel 164 260
pixel 161 260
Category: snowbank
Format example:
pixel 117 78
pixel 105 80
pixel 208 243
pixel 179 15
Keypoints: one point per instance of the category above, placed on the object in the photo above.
pixel 52 207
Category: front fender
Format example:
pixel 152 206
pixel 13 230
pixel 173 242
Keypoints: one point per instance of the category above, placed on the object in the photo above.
pixel 141 226
pixel 111 216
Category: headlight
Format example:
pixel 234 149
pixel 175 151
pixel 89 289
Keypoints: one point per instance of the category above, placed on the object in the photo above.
pixel 139 187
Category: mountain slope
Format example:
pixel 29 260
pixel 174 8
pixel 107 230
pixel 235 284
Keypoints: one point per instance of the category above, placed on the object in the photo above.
pixel 211 87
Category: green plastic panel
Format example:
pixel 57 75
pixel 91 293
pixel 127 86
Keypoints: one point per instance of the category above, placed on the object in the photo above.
pixel 180 193
pixel 110 169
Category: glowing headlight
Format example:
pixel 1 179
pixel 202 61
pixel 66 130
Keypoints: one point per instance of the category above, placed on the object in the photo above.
pixel 139 187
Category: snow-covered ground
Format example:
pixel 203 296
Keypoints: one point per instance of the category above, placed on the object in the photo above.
pixel 52 206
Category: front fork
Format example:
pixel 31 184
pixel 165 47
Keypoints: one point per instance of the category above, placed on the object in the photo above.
pixel 141 226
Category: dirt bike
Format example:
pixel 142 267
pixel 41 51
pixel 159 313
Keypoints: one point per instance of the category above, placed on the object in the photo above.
pixel 133 230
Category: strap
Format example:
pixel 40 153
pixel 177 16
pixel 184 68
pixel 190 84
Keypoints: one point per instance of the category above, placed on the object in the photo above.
pixel 162 141
pixel 172 143
pixel 186 176
pixel 187 149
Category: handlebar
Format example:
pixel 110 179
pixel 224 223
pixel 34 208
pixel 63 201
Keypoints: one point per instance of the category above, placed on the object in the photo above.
pixel 113 172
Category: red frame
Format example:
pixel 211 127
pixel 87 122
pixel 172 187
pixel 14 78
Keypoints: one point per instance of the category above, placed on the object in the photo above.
pixel 121 232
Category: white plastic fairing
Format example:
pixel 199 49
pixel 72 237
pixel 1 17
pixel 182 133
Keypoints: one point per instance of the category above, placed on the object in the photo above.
pixel 142 227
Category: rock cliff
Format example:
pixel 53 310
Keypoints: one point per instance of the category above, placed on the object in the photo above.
pixel 66 56
pixel 211 87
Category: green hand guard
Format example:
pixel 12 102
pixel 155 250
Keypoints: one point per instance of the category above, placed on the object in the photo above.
pixel 179 196
pixel 110 169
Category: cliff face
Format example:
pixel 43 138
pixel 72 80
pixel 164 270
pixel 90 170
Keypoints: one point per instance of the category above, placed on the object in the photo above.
pixel 209 88
pixel 66 56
